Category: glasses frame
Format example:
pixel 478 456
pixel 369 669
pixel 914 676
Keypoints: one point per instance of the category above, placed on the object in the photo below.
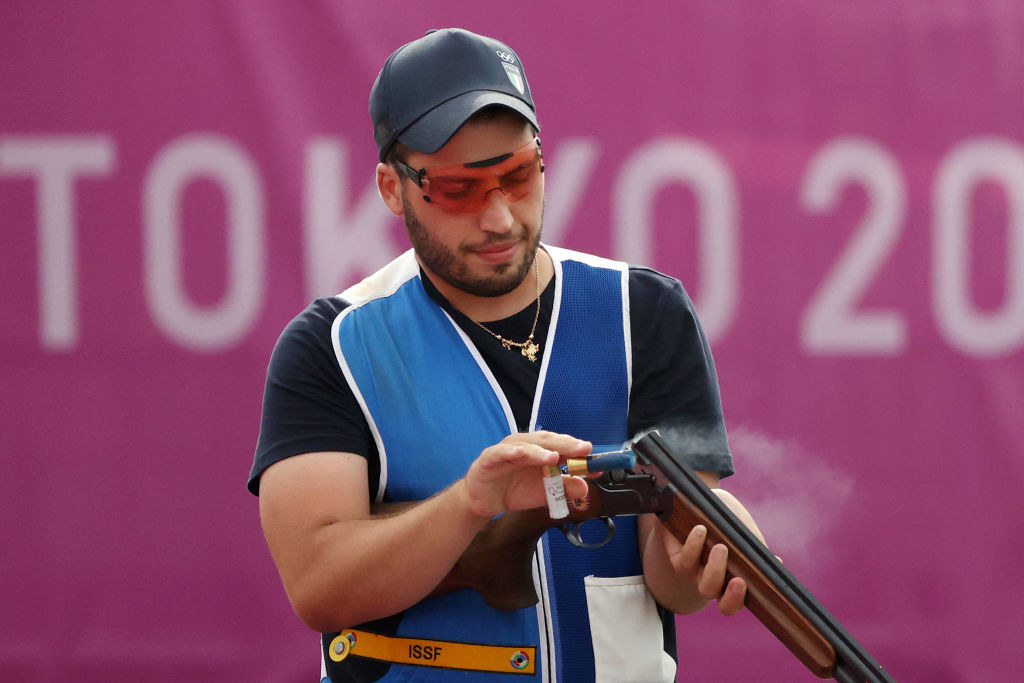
pixel 422 176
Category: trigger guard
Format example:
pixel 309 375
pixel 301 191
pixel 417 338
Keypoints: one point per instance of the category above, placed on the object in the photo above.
pixel 572 534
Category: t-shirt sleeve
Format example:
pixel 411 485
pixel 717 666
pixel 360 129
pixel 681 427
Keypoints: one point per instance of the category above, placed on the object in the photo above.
pixel 675 385
pixel 308 406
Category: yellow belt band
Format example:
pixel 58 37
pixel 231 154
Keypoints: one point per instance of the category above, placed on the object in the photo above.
pixel 444 654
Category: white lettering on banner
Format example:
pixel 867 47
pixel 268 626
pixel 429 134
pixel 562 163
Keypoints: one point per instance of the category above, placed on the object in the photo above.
pixel 567 178
pixel 54 162
pixel 691 162
pixel 345 234
pixel 965 327
pixel 831 324
pixel 203 328
pixel 337 243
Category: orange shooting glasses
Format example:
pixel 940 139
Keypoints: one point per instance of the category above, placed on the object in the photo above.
pixel 466 188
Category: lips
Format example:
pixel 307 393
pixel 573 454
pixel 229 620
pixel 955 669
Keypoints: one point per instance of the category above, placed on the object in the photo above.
pixel 497 253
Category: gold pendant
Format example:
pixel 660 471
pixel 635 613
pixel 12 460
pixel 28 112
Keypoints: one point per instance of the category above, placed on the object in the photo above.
pixel 530 351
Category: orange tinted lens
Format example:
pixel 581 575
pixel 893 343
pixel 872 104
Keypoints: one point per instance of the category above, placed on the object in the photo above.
pixel 466 189
pixel 458 194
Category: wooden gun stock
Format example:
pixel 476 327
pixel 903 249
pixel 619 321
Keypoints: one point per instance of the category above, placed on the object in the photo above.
pixel 498 563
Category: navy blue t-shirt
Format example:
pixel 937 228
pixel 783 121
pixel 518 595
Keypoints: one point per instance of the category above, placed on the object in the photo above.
pixel 308 406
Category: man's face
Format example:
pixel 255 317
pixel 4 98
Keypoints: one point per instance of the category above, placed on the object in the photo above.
pixel 487 253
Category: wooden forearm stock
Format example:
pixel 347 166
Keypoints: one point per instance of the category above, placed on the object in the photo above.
pixel 497 563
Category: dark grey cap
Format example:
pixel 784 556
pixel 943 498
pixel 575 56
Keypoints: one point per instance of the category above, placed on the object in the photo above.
pixel 428 88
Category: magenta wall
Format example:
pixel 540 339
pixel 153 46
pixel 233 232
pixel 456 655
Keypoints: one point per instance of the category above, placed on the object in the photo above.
pixel 840 186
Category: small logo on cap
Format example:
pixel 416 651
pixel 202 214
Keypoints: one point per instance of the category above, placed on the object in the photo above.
pixel 505 57
pixel 515 76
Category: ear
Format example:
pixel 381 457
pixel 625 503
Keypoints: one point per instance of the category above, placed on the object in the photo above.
pixel 389 186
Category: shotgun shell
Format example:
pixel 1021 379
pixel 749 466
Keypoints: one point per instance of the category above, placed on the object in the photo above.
pixel 600 462
pixel 555 491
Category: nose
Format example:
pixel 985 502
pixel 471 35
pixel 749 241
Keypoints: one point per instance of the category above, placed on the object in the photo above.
pixel 496 216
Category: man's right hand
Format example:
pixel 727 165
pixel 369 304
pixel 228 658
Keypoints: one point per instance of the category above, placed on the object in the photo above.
pixel 507 476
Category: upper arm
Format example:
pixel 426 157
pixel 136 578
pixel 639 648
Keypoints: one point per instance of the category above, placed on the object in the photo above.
pixel 303 494
pixel 308 406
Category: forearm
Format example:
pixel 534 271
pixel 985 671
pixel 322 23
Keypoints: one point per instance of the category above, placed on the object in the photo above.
pixel 342 565
pixel 361 569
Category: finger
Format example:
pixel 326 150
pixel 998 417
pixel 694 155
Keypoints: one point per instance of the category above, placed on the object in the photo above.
pixel 518 455
pixel 500 463
pixel 732 599
pixel 568 446
pixel 685 557
pixel 712 578
pixel 575 487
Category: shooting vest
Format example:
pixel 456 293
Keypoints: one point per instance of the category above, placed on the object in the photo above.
pixel 433 405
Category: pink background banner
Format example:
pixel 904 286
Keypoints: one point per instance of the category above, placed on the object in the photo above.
pixel 839 185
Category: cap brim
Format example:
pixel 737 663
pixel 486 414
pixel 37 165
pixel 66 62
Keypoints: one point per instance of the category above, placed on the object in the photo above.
pixel 434 129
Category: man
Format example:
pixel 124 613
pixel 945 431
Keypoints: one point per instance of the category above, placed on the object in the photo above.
pixel 454 374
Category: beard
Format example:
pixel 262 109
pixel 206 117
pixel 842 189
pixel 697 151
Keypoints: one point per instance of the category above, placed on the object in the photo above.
pixel 446 263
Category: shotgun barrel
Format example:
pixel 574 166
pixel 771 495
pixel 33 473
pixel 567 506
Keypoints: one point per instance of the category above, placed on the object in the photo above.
pixel 774 595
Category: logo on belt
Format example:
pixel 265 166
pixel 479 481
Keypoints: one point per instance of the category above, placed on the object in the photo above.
pixel 437 653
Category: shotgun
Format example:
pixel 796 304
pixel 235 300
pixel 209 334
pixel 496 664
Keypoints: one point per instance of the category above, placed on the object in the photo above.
pixel 497 564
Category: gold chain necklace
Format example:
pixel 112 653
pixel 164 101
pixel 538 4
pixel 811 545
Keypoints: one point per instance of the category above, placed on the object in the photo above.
pixel 528 348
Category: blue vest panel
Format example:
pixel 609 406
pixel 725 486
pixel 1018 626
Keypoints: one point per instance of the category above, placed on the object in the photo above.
pixel 433 406
pixel 586 394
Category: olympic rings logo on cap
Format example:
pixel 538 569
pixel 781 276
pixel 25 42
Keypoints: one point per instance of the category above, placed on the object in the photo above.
pixel 505 57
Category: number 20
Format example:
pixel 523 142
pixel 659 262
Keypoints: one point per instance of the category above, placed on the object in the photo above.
pixel 832 324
